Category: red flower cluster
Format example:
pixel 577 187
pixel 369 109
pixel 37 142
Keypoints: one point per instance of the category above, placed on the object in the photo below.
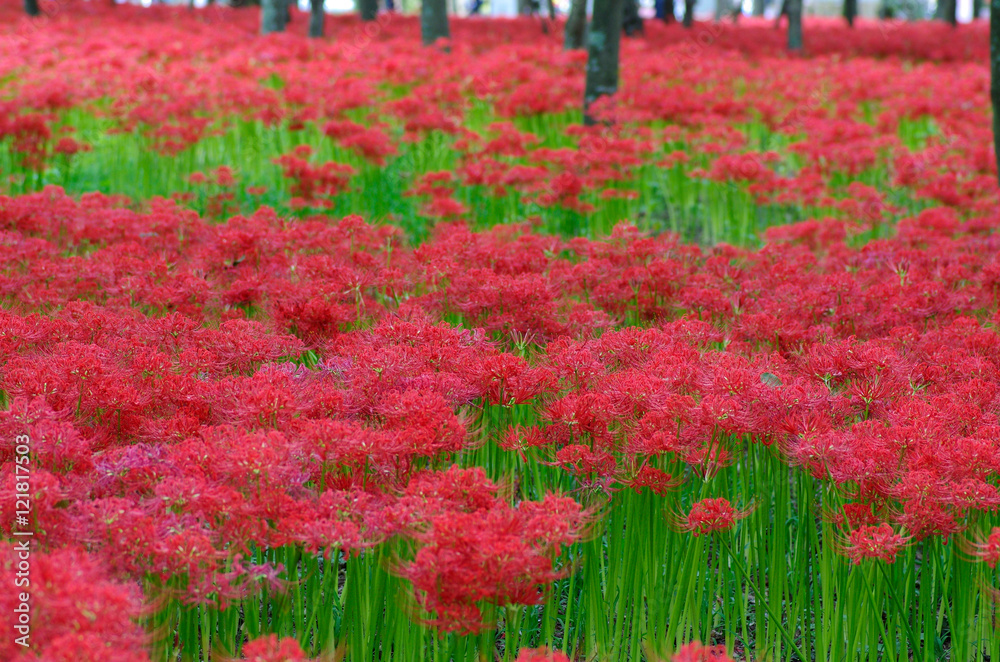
pixel 842 117
pixel 875 542
pixel 196 389
pixel 313 185
pixel 697 652
pixel 77 611
pixel 476 548
pixel 988 550
pixel 271 649
pixel 857 362
pixel 711 515
pixel 541 655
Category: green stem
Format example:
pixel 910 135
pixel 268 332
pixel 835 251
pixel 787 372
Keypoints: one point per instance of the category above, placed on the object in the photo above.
pixel 760 598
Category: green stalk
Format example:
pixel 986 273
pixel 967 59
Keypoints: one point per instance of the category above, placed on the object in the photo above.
pixel 774 617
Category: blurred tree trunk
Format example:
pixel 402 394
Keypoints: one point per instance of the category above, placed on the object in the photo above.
pixel 731 8
pixel 433 20
pixel 995 71
pixel 794 9
pixel 758 8
pixel 631 21
pixel 273 16
pixel 689 13
pixel 977 9
pixel 850 11
pixel 947 10
pixel 31 7
pixel 665 11
pixel 576 25
pixel 603 41
pixel 552 9
pixel 368 9
pixel 317 18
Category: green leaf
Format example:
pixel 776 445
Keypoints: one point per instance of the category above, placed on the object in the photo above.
pixel 770 379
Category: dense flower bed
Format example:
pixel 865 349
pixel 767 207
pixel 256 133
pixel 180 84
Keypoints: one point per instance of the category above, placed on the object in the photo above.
pixel 719 133
pixel 195 390
pixel 498 412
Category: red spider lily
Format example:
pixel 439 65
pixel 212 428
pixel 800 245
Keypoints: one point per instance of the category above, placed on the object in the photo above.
pixel 439 187
pixel 496 554
pixel 508 380
pixel 543 654
pixel 272 649
pixel 874 542
pixel 77 610
pixel 659 482
pixel 711 515
pixel 695 651
pixel 424 421
pixel 988 550
pixel 313 184
pixel 372 143
pixel 583 461
pixel 854 515
pixel 70 146
pixel 194 388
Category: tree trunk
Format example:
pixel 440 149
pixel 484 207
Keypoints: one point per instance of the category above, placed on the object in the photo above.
pixel 603 40
pixel 947 10
pixel 273 16
pixel 433 21
pixel 731 8
pixel 317 18
pixel 850 11
pixel 631 21
pixel 665 11
pixel 552 9
pixel 758 8
pixel 368 9
pixel 31 7
pixel 995 72
pixel 794 9
pixel 689 13
pixel 576 25
pixel 977 9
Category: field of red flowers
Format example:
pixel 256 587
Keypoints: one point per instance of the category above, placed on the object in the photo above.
pixel 352 349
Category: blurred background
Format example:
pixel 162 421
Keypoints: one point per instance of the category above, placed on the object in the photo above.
pixel 905 9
